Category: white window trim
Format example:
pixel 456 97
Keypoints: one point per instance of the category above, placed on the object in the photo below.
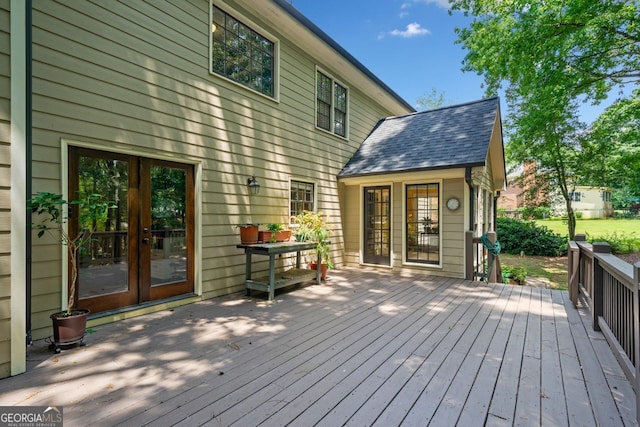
pixel 315 196
pixel 331 119
pixel 438 266
pixel 257 28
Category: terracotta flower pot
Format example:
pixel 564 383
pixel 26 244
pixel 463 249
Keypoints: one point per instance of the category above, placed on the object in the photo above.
pixel 283 236
pixel 323 269
pixel 248 234
pixel 265 236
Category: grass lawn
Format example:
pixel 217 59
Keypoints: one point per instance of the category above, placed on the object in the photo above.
pixel 595 227
pixel 552 268
pixel 555 268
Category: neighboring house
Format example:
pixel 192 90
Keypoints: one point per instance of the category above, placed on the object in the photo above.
pixel 512 197
pixel 589 202
pixel 168 108
pixel 419 181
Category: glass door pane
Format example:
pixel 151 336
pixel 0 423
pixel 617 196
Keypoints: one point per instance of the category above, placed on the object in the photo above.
pixel 166 232
pixel 168 225
pixel 377 225
pixel 104 262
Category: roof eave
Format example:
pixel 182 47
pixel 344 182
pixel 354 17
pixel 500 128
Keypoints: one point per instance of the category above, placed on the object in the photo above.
pixel 412 170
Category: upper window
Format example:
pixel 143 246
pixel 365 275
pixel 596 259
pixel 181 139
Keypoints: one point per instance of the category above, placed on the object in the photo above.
pixel 574 196
pixel 302 197
pixel 331 105
pixel 241 54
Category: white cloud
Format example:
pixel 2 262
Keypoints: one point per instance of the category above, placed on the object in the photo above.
pixel 441 3
pixel 404 12
pixel 413 30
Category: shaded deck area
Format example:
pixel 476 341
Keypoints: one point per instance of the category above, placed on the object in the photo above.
pixel 367 348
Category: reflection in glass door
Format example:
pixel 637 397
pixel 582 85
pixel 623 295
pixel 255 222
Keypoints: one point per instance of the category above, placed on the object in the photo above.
pixel 166 229
pixel 377 225
pixel 105 277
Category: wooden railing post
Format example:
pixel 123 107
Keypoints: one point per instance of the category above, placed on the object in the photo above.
pixel 491 260
pixel 636 332
pixel 468 255
pixel 573 272
pixel 598 275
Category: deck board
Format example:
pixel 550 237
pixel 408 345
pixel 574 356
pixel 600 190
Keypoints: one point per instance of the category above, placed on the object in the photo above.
pixel 367 348
pixel 477 404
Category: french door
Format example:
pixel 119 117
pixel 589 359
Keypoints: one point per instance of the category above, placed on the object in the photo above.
pixel 377 225
pixel 143 247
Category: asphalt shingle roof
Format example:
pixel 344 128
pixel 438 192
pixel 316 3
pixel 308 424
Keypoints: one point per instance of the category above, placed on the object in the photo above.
pixel 448 137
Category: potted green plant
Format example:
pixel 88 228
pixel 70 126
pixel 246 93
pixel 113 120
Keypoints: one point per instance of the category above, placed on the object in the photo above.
pixel 51 214
pixel 279 233
pixel 314 226
pixel 426 224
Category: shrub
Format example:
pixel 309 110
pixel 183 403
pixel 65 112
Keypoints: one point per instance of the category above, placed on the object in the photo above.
pixel 527 237
pixel 517 273
pixel 620 243
pixel 538 212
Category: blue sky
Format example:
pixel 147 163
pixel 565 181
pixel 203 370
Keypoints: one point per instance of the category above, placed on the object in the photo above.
pixel 408 44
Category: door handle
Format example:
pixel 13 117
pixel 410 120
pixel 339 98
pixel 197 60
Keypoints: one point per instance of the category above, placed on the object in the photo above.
pixel 145 240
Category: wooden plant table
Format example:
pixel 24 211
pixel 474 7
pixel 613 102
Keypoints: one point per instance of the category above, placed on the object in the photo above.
pixel 275 281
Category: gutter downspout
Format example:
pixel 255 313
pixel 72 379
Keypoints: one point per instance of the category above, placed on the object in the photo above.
pixel 28 153
pixel 467 178
pixel 495 212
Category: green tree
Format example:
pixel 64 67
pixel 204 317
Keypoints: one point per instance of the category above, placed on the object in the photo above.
pixel 612 147
pixel 550 56
pixel 432 100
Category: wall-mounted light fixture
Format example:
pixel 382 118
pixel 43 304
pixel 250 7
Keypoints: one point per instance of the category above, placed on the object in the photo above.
pixel 252 183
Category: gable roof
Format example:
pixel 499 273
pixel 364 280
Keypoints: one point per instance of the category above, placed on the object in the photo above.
pixel 450 137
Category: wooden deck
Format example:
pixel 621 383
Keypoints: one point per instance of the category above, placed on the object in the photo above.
pixel 367 348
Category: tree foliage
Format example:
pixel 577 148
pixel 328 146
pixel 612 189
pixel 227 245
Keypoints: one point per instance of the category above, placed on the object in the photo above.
pixel 618 127
pixel 432 100
pixel 583 46
pixel 550 56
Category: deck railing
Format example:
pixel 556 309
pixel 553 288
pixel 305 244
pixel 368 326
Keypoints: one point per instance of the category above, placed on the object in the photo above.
pixel 480 263
pixel 610 288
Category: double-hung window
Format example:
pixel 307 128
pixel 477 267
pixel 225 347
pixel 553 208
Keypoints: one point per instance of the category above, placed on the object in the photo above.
pixel 331 105
pixel 302 197
pixel 574 196
pixel 241 54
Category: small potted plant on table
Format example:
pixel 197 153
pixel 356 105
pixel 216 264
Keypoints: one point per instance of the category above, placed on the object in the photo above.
pixel 51 214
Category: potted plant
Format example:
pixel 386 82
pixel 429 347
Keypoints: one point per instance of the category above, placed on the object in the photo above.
pixel 313 226
pixel 279 233
pixel 248 233
pixel 426 224
pixel 51 213
pixel 268 235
